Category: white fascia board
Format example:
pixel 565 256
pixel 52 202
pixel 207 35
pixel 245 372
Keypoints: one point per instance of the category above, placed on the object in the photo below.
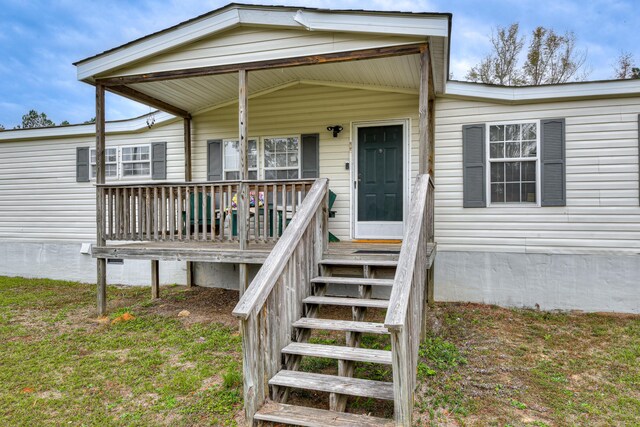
pixel 190 32
pixel 368 23
pixel 545 92
pixel 121 126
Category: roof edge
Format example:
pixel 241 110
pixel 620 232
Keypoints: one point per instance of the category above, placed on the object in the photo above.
pixel 548 92
pixel 135 124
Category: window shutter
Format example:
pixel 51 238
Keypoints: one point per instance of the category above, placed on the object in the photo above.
pixel 214 160
pixel 311 155
pixel 82 164
pixel 552 168
pixel 158 160
pixel 474 164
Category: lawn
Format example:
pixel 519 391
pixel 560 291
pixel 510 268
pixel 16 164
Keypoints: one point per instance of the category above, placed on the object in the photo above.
pixel 149 363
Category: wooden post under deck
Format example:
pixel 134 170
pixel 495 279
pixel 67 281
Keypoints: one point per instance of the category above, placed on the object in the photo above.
pixel 155 279
pixel 243 199
pixel 423 111
pixel 187 178
pixel 100 175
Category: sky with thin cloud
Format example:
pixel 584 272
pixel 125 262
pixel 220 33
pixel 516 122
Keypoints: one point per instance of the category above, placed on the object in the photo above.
pixel 40 39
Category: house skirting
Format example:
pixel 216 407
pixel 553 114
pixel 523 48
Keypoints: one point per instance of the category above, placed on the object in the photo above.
pixel 550 282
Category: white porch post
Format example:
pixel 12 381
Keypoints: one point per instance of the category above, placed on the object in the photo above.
pixel 243 199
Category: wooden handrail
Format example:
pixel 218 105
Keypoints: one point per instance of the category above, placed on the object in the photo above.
pixel 408 299
pixel 398 301
pixel 221 182
pixel 260 288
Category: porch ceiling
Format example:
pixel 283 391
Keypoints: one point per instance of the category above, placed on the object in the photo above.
pixel 399 73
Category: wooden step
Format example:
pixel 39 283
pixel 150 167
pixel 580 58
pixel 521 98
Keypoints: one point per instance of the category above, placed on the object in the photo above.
pixel 313 417
pixel 351 302
pixel 341 325
pixel 334 384
pixel 360 262
pixel 356 354
pixel 337 280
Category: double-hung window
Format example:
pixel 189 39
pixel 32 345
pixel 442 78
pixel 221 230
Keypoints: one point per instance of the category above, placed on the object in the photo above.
pixel 232 159
pixel 136 161
pixel 513 162
pixel 281 157
pixel 110 160
pixel 124 162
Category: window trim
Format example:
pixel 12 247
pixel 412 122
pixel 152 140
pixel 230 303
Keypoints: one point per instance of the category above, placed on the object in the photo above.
pixel 224 158
pixel 488 162
pixel 92 165
pixel 263 152
pixel 119 162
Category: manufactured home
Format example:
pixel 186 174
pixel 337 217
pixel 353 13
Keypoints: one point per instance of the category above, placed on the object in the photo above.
pixel 313 158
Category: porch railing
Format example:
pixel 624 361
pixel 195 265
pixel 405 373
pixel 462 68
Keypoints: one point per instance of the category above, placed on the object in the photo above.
pixel 405 315
pixel 202 211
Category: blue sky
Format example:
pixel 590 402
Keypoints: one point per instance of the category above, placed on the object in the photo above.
pixel 39 40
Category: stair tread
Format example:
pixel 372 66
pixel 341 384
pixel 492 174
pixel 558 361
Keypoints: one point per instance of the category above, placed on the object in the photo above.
pixel 353 302
pixel 359 262
pixel 334 384
pixel 341 325
pixel 313 417
pixel 356 354
pixel 352 281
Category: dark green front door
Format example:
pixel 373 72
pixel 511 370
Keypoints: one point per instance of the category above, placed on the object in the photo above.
pixel 380 181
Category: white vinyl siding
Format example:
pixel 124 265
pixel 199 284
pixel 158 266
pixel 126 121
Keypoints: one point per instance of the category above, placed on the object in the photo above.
pixel 602 215
pixel 40 199
pixel 250 44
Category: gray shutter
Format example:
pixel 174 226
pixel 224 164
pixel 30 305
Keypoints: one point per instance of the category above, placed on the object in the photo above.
pixel 82 164
pixel 214 160
pixel 158 160
pixel 552 167
pixel 311 155
pixel 474 161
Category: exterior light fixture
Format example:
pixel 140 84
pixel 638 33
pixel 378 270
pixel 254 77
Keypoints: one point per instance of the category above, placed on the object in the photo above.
pixel 335 129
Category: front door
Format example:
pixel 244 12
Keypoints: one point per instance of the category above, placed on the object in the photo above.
pixel 380 182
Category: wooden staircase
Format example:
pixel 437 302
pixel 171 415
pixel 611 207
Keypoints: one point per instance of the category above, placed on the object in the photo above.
pixel 290 297
pixel 340 387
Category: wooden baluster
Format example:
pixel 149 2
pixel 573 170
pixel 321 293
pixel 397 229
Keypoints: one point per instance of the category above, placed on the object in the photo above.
pixel 148 213
pixel 256 213
pixel 230 194
pixel 140 214
pixel 196 216
pixel 294 199
pixel 155 213
pixel 274 213
pixel 187 208
pixel 163 213
pixel 265 214
pixel 126 216
pixel 179 213
pixel 222 212
pixel 284 207
pixel 111 213
pixel 212 213
pixel 172 213
pixel 204 213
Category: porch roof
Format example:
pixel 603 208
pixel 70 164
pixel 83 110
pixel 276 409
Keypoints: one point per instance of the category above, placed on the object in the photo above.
pixel 190 67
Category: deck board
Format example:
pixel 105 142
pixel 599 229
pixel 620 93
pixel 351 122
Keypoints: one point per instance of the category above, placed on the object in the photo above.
pixel 229 252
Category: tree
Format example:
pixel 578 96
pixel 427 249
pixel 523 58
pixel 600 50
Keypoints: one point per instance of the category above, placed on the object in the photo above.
pixel 90 121
pixel 33 119
pixel 64 123
pixel 1 127
pixel 624 67
pixel 550 58
pixel 500 66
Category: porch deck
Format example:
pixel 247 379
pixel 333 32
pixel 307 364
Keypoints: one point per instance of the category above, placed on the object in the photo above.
pixel 229 252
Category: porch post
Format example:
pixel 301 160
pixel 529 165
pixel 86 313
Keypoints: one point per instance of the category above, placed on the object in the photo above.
pixel 423 111
pixel 243 199
pixel 187 178
pixel 100 174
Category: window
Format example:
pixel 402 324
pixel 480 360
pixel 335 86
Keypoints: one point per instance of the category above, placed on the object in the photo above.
pixel 281 158
pixel 110 160
pixel 513 162
pixel 124 162
pixel 136 161
pixel 232 159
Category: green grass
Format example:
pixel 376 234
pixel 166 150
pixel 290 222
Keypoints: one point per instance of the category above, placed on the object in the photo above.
pixel 62 367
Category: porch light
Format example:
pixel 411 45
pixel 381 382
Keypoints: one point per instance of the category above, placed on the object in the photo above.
pixel 335 129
